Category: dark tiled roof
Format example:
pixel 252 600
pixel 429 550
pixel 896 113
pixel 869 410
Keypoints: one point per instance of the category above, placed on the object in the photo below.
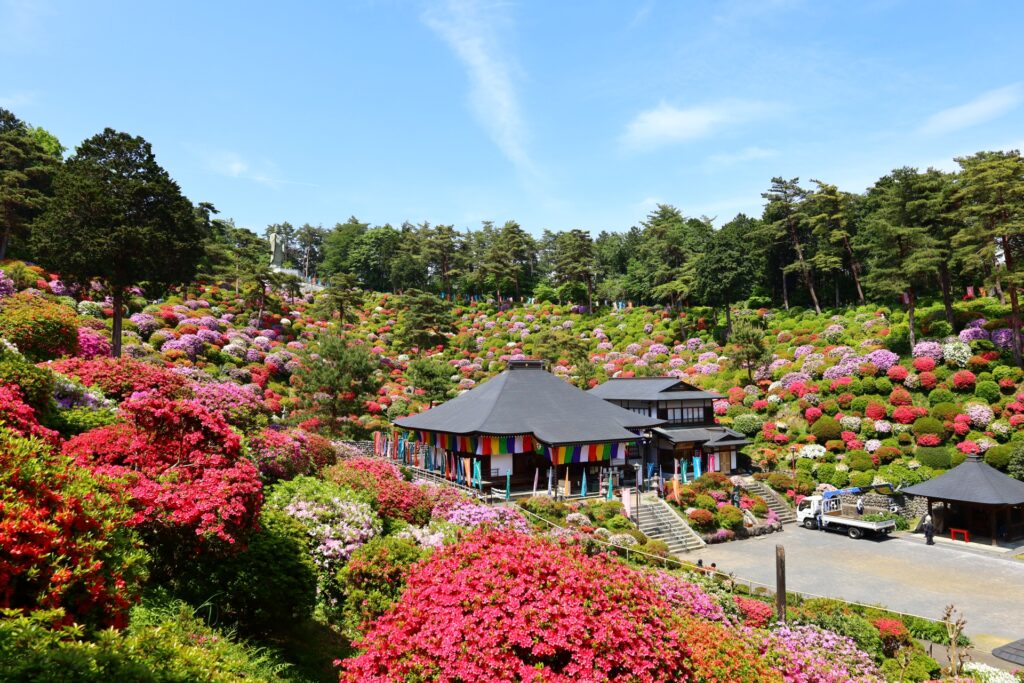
pixel 649 389
pixel 1011 652
pixel 526 399
pixel 972 482
pixel 709 436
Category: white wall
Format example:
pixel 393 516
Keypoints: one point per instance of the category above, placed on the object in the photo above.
pixel 502 463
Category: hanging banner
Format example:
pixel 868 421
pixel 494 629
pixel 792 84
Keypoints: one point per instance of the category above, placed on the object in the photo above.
pixel 478 445
pixel 626 507
pixel 591 452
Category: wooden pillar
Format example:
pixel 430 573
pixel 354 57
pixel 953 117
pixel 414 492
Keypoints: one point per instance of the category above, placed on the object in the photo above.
pixel 780 583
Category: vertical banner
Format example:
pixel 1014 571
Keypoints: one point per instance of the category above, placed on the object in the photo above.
pixel 696 467
pixel 568 485
pixel 583 485
pixel 468 469
pixel 536 479
pixel 550 489
pixel 508 486
pixel 626 507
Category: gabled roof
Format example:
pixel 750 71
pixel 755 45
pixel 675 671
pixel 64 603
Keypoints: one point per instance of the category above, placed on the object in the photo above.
pixel 972 482
pixel 526 399
pixel 708 436
pixel 650 389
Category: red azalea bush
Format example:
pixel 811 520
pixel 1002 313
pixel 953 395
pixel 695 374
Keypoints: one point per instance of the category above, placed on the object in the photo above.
pixel 897 373
pixel 907 414
pixel 119 378
pixel 63 539
pixel 928 380
pixel 182 465
pixel 875 410
pixel 755 613
pixel 929 440
pixel 40 328
pixel 278 455
pixel 924 364
pixel 894 635
pixel 502 606
pixel 900 397
pixel 21 417
pixel 396 498
pixel 963 380
pixel 812 414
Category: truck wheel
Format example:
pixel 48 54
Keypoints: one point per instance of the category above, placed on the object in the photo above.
pixel 809 523
pixel 854 532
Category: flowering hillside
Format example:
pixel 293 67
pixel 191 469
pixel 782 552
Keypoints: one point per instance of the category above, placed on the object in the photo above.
pixel 199 469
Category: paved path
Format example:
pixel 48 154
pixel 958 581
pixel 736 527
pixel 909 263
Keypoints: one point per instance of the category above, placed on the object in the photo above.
pixel 899 572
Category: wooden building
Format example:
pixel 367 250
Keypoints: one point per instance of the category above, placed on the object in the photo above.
pixel 689 438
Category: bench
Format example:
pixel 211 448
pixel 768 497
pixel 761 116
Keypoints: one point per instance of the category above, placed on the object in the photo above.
pixel 953 533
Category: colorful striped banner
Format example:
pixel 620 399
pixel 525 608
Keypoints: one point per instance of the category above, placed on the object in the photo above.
pixel 590 452
pixel 478 445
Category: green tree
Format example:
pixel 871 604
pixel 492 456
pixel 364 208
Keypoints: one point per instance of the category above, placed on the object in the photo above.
pixel 573 261
pixel 371 257
pixel 309 242
pixel 117 216
pixel 784 221
pixel 340 297
pixel 751 348
pixel 433 376
pixel 423 319
pixel 991 204
pixel 335 380
pixel 338 245
pixel 28 163
pixel 831 220
pixel 723 273
pixel 899 236
pixel 442 251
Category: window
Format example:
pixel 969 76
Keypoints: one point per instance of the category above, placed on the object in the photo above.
pixel 685 415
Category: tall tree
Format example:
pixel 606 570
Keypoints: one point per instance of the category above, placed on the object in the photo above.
pixel 723 273
pixel 338 246
pixel 28 162
pixel 830 217
pixel 441 253
pixel 784 221
pixel 574 261
pixel 751 349
pixel 342 297
pixel 899 236
pixel 336 381
pixel 370 258
pixel 991 200
pixel 117 216
pixel 309 243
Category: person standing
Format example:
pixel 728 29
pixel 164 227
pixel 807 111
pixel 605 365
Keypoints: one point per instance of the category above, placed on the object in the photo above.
pixel 929 530
pixel 860 505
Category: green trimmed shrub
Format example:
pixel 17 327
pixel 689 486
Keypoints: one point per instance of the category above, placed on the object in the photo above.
pixel 861 478
pixel 999 457
pixel 705 502
pixel 883 385
pixel 869 386
pixel 748 424
pixel 936 457
pixel 729 517
pixel 929 425
pixel 945 411
pixel 859 404
pixel 859 461
pixel 988 391
pixel 826 429
pixel 825 472
pixel 35 384
pixel 940 395
pixel 840 479
pixel 374 578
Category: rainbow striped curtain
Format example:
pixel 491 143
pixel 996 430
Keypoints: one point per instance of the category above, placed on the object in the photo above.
pixel 590 452
pixel 478 445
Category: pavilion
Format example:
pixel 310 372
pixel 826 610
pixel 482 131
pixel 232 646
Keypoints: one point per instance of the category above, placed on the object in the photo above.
pixel 524 421
pixel 977 498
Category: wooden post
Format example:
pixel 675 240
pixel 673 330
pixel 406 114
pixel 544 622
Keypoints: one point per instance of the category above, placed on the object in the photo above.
pixel 780 583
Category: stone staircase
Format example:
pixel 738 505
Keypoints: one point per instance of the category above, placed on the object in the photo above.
pixel 775 502
pixel 659 521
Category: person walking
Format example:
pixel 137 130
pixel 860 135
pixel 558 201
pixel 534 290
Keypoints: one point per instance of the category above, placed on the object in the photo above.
pixel 929 530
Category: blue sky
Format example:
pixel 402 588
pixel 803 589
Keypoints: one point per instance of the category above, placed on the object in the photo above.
pixel 557 114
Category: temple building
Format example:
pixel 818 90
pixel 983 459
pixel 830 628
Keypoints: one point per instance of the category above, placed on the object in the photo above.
pixel 688 439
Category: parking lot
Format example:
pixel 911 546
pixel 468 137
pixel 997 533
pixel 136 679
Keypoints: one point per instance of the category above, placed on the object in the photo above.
pixel 899 572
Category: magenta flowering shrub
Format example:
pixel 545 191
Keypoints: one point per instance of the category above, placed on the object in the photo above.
pixel 469 514
pixel 6 285
pixel 808 654
pixel 242 406
pixel 686 596
pixel 92 344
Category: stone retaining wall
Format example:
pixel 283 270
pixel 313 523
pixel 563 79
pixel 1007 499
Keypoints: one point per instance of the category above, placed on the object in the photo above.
pixel 910 507
pixel 366 447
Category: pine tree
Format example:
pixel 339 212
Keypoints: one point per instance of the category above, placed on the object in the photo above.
pixel 27 166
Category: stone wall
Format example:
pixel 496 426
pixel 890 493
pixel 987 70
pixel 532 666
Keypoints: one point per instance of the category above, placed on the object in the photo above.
pixel 365 447
pixel 910 507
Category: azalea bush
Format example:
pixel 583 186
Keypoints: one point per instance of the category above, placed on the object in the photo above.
pixel 507 606
pixel 64 538
pixel 183 468
pixel 119 378
pixel 40 328
pixel 394 496
pixel 808 654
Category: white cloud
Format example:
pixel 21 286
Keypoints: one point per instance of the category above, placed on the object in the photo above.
pixel 986 107
pixel 665 124
pixel 471 30
pixel 744 155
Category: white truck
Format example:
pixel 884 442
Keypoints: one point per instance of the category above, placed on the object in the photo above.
pixel 827 510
